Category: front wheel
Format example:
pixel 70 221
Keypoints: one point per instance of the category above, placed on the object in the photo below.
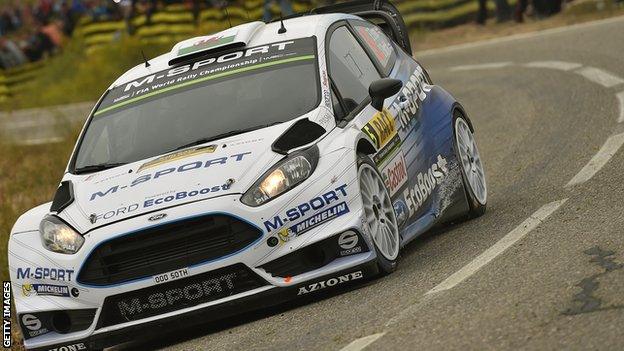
pixel 379 215
pixel 472 167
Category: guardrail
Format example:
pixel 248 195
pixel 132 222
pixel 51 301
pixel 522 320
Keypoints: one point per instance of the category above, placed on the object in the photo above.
pixel 12 80
pixel 175 22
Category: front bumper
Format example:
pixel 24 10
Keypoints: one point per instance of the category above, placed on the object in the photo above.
pixel 265 299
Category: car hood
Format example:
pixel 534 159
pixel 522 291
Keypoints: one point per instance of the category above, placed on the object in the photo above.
pixel 228 166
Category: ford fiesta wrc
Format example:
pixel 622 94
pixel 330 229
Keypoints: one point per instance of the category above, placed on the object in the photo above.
pixel 260 164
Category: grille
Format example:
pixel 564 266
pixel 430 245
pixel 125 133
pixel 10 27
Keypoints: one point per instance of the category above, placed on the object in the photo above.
pixel 178 294
pixel 166 248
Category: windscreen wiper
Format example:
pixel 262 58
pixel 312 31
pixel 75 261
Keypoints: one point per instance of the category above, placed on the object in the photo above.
pixel 221 136
pixel 97 168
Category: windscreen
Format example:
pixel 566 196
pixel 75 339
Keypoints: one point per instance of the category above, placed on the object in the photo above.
pixel 240 90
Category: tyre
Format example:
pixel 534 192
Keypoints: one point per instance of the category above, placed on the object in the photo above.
pixel 379 214
pixel 471 165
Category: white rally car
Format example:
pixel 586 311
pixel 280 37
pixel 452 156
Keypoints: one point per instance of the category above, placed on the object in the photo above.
pixel 241 169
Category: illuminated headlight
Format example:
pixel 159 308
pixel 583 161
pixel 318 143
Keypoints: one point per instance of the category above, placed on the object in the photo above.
pixel 58 237
pixel 284 176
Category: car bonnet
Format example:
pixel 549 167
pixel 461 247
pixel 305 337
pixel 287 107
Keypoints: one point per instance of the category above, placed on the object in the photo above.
pixel 207 171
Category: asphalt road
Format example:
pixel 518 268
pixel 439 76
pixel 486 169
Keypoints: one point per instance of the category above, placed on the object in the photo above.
pixel 543 106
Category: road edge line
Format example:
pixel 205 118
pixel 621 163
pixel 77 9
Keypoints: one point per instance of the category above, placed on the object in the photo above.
pixel 498 248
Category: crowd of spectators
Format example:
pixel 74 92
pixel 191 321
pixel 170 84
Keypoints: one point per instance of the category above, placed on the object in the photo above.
pixel 504 12
pixel 30 31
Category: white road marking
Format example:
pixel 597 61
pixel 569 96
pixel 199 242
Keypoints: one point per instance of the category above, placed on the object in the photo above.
pixel 362 343
pixel 620 97
pixel 610 148
pixel 601 77
pixel 519 37
pixel 492 65
pixel 560 65
pixel 503 244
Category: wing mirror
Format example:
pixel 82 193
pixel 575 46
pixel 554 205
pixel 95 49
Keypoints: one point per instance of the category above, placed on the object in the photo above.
pixel 382 89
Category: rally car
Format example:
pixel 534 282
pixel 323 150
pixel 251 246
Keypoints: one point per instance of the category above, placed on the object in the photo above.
pixel 263 163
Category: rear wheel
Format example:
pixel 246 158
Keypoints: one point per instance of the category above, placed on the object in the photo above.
pixel 471 165
pixel 379 214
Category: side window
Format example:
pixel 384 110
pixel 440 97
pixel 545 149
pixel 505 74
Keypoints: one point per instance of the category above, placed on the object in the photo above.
pixel 350 68
pixel 378 44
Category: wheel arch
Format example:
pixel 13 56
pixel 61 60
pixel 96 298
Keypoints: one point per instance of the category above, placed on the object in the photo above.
pixel 365 146
pixel 457 107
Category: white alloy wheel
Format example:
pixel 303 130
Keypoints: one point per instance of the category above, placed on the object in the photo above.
pixel 379 212
pixel 470 160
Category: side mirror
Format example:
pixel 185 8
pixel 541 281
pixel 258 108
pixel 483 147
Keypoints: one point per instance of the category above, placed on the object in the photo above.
pixel 382 89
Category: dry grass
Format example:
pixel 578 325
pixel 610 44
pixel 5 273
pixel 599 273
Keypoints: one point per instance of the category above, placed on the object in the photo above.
pixel 29 176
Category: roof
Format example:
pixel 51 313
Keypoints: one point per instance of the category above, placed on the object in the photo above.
pixel 253 34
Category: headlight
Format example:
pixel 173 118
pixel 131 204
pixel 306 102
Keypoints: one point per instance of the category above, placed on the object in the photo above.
pixel 59 237
pixel 284 176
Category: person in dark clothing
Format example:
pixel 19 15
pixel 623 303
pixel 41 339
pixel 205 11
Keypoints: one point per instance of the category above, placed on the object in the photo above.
pixel 542 8
pixel 503 11
pixel 521 8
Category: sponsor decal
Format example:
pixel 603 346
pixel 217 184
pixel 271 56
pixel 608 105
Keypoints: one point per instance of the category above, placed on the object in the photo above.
pixel 169 197
pixel 163 172
pixel 286 234
pixel 196 290
pixel 49 290
pixel 31 322
pixel 395 174
pixel 426 182
pixel 326 90
pixel 349 243
pixel 243 142
pixel 72 347
pixel 171 276
pixel 206 43
pixel 382 155
pixel 378 43
pixel 43 273
pixel 319 203
pixel 178 156
pixel 415 91
pixel 325 121
pixel 32 326
pixel 401 210
pixel 381 128
pixel 204 71
pixel 157 217
pixel 6 315
pixel 330 282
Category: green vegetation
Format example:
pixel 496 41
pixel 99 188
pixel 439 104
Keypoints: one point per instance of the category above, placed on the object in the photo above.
pixel 74 76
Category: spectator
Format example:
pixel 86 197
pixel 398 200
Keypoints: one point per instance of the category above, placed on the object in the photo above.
pixel 10 54
pixel 127 12
pixel 541 8
pixel 285 8
pixel 503 11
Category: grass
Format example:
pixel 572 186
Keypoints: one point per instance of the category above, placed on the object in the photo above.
pixel 74 76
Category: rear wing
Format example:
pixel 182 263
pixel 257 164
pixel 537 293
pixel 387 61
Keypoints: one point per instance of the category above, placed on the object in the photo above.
pixel 380 12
